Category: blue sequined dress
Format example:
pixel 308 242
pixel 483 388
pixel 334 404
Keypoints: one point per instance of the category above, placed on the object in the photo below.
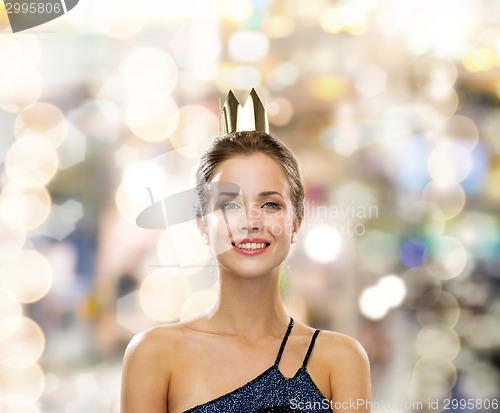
pixel 271 392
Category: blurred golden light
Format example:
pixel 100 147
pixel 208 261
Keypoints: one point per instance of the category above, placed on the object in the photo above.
pixel 118 18
pixel 493 183
pixel 280 111
pixel 435 109
pixel 438 310
pixel 449 163
pixel 279 26
pixel 163 294
pixel 166 250
pixel 149 69
pixel 433 379
pixel 449 199
pixel 329 87
pixel 375 301
pixel 20 86
pixel 435 75
pixel 10 315
pixel 24 208
pixel 460 129
pixel 132 196
pixel 30 408
pixel 45 121
pixel 372 303
pixel 24 347
pixel 347 17
pixel 21 387
pixel 31 161
pixel 22 46
pixel 438 343
pixel 190 249
pixel 248 46
pixel 236 10
pixel 152 116
pixel 27 275
pixel 437 366
pixel 199 303
pixel 203 61
pixel 479 60
pixel 241 77
pixel 181 249
pixel 322 243
pixel 11 240
pixel 125 154
pixel 393 289
pixel 284 75
pixel 20 83
pixel 196 127
pixel 489 131
pixel 371 80
pixel 446 258
pixel 141 174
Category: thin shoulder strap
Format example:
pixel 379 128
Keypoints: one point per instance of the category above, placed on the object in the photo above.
pixel 313 339
pixel 282 347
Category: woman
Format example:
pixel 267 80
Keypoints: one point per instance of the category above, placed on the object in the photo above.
pixel 246 354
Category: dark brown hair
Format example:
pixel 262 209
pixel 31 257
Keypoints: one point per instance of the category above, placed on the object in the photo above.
pixel 248 143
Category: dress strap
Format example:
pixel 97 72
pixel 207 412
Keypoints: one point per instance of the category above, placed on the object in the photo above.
pixel 313 339
pixel 282 347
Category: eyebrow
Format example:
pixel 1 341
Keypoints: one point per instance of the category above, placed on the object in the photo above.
pixel 268 193
pixel 260 195
pixel 228 194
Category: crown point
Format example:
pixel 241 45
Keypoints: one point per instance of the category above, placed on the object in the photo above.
pixel 251 116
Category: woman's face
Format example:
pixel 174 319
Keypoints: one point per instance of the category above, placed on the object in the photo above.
pixel 250 223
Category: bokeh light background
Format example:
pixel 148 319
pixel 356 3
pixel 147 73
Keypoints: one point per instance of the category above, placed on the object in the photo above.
pixel 393 108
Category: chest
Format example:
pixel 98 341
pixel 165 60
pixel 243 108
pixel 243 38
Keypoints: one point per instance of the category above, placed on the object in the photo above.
pixel 208 368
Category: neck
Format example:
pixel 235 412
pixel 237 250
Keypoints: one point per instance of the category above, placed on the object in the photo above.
pixel 249 307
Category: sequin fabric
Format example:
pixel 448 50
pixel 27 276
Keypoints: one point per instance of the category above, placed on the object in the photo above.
pixel 271 392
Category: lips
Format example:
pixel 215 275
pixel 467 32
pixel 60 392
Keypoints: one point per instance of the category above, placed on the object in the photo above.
pixel 251 245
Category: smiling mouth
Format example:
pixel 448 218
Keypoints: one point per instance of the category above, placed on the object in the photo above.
pixel 251 246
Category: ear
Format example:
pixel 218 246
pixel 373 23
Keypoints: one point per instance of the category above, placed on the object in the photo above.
pixel 296 224
pixel 202 227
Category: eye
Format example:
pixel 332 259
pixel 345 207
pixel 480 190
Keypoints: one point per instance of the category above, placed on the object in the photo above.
pixel 271 205
pixel 228 206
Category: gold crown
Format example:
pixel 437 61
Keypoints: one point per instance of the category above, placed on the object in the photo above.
pixel 251 116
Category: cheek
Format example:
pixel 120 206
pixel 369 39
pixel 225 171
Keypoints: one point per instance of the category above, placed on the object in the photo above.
pixel 216 225
pixel 280 225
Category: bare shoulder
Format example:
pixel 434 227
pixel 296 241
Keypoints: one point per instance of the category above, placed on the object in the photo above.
pixel 341 349
pixel 155 341
pixel 348 366
pixel 148 362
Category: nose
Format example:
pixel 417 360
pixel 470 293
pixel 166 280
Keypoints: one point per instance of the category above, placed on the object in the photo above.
pixel 252 222
pixel 253 228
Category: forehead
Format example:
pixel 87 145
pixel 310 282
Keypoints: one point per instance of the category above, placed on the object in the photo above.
pixel 254 174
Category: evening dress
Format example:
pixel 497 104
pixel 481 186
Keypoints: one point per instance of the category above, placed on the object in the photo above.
pixel 272 392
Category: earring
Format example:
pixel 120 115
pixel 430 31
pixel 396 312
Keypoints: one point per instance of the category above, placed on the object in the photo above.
pixel 205 238
pixel 294 238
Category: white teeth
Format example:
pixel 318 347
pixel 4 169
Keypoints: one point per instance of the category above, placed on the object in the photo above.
pixel 251 245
